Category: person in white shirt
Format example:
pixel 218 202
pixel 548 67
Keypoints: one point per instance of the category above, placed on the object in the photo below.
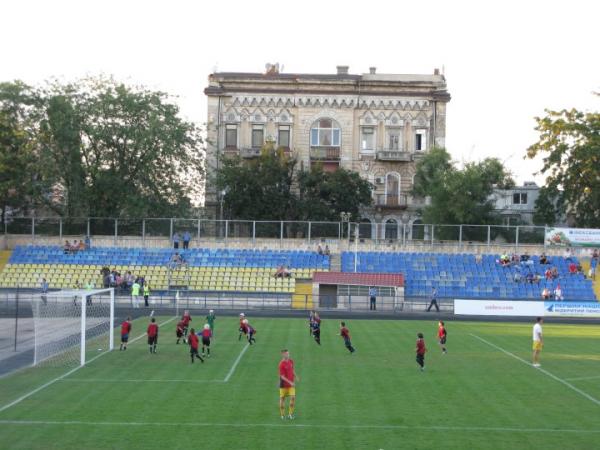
pixel 558 293
pixel 538 341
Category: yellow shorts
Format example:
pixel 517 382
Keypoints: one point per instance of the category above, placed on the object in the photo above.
pixel 287 392
pixel 537 345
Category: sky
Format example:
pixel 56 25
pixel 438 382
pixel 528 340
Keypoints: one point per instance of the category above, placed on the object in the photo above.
pixel 505 62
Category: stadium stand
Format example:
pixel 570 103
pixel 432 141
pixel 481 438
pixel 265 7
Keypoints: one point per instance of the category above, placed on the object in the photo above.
pixel 461 276
pixel 206 269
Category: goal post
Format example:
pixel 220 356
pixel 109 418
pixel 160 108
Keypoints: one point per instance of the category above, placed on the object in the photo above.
pixel 69 324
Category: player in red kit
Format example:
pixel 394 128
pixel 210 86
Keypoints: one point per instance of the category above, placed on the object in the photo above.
pixel 193 341
pixel 250 331
pixel 179 331
pixel 287 384
pixel 206 335
pixel 125 330
pixel 442 336
pixel 186 319
pixel 345 334
pixel 152 332
pixel 243 328
pixel 420 350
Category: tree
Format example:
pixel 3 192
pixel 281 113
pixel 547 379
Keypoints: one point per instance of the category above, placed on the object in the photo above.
pixel 259 189
pixel 546 209
pixel 569 142
pixel 324 195
pixel 459 196
pixel 119 151
pixel 18 169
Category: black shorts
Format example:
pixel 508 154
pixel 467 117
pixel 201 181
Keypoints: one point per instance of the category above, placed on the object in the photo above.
pixel 152 340
pixel 420 359
pixel 124 337
pixel 443 340
pixel 193 351
pixel 179 333
pixel 205 341
pixel 317 332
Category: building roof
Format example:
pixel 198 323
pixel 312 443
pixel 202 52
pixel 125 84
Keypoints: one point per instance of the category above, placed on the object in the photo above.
pixel 359 279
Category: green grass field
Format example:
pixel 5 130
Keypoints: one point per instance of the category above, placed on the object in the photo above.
pixel 477 396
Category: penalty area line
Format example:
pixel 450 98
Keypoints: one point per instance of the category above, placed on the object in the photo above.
pixel 439 428
pixel 236 362
pixel 62 377
pixel 545 372
pixel 117 381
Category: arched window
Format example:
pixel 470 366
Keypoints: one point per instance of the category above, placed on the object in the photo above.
pixel 325 133
pixel 391 229
pixel 392 189
pixel 418 230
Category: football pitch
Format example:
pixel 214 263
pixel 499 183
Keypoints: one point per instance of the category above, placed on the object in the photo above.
pixel 483 394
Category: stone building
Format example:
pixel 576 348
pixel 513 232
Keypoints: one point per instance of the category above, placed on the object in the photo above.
pixel 516 206
pixel 376 124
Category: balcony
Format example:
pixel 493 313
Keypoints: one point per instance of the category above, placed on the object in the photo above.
pixel 394 155
pixel 325 153
pixel 389 201
pixel 250 152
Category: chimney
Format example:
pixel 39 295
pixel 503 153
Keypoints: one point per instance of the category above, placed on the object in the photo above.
pixel 372 70
pixel 342 70
pixel 436 71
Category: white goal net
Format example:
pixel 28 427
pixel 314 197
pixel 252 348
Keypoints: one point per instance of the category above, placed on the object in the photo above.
pixel 72 326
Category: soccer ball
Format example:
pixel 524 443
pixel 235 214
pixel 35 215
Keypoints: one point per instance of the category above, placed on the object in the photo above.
pixel 152 313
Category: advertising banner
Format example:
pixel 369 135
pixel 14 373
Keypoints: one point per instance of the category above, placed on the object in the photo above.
pixel 498 308
pixel 573 237
pixel 572 309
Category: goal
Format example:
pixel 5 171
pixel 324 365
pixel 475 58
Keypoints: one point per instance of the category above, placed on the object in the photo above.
pixel 72 326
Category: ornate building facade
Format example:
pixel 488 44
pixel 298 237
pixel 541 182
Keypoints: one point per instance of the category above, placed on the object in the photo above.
pixel 378 125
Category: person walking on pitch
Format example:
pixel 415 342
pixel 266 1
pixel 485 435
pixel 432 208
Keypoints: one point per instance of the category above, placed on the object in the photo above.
pixel 287 384
pixel 193 341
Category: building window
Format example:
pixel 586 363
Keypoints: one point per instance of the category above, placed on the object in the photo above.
pixel 394 139
pixel 325 133
pixel 520 198
pixel 258 136
pixel 420 140
pixel 231 140
pixel 283 137
pixel 367 141
pixel 392 189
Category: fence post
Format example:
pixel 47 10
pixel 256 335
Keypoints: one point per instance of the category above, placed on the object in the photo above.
pixel 88 227
pixel 171 230
pixel 60 231
pixel 309 230
pixel 253 233
pixel 545 230
pixel 339 231
pixel 198 233
pixel 517 238
pixel 432 233
pixel 226 229
pixel 116 231
pixel 143 232
pixel 460 235
pixel 33 229
pixel 489 235
pixel 281 234
pixel 403 235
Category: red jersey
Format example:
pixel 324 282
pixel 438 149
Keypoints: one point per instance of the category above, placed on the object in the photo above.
pixel 125 328
pixel 186 319
pixel 206 333
pixel 345 333
pixel 180 326
pixel 441 332
pixel 243 326
pixel 193 341
pixel 152 330
pixel 286 369
pixel 421 347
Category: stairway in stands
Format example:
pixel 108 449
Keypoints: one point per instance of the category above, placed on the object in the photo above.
pixel 335 262
pixel 585 264
pixel 4 255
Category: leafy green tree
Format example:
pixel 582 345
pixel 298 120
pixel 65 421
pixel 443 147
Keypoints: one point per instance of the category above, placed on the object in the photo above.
pixel 569 142
pixel 324 195
pixel 547 207
pixel 459 196
pixel 18 169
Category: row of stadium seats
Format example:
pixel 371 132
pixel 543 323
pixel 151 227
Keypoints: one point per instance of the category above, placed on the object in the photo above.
pixel 112 256
pixel 461 275
pixel 239 279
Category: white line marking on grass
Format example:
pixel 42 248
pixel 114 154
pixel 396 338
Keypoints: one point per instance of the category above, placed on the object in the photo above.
pixel 235 364
pixel 583 378
pixel 545 372
pixel 51 382
pixel 300 425
pixel 116 381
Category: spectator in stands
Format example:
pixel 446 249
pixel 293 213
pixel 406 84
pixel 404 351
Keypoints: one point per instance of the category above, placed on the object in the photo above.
pixel 81 247
pixel 529 277
pixel 372 298
pixel 67 248
pixel 186 239
pixel 525 259
pixel 548 274
pixel 118 280
pixel 558 295
pixel 537 278
pixel 129 279
pixel 595 256
pixel 504 259
pixel 88 242
pixel 593 266
pixel 572 268
pixel 75 246
pixel 545 293
pixel 579 268
pixel 176 260
pixel 515 259
pixel 327 251
pixel 282 271
pixel 568 254
pixel 544 259
pixel 106 280
pixel 176 240
pixel 44 290
pixel 319 249
pixel 554 273
pixel 478 258
pixel 517 276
